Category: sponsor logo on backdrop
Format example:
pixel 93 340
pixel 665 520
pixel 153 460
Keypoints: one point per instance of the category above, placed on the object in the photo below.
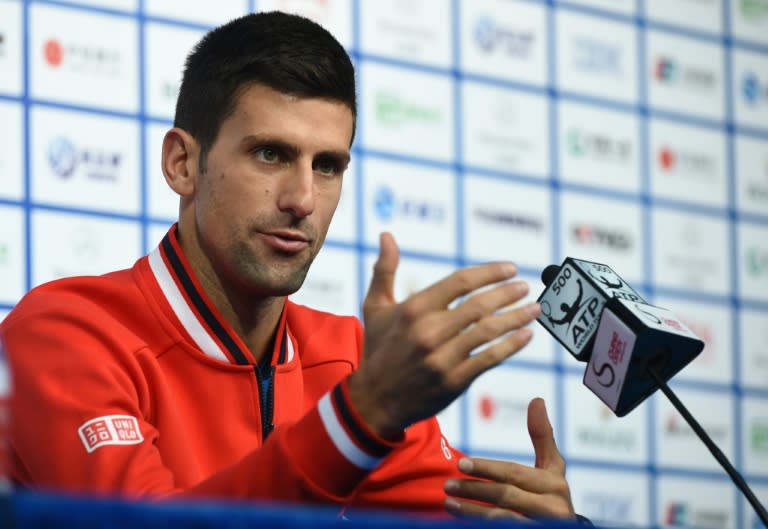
pixel 607 435
pixel 757 188
pixel 491 408
pixel 596 57
pixel 2 44
pixel 317 10
pixel 389 205
pixel 330 290
pixel 753 89
pixel 392 110
pixel 703 330
pixel 593 235
pixel 683 514
pixel 756 261
pixel 490 36
pixel 64 158
pixel 510 219
pixel 402 24
pixel 608 506
pixel 758 436
pixel 675 427
pixel 687 257
pixel 687 163
pixel 80 57
pixel 754 10
pixel 670 71
pixel 170 89
pixel 598 146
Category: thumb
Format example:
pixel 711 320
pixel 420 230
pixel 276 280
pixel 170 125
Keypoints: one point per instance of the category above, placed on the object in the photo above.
pixel 542 436
pixel 382 288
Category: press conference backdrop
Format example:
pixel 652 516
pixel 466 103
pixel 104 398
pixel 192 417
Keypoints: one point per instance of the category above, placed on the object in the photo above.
pixel 628 132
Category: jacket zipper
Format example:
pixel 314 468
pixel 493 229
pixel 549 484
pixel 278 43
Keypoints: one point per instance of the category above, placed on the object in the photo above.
pixel 265 376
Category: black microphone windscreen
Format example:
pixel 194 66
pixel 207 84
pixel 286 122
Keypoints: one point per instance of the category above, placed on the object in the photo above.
pixel 549 274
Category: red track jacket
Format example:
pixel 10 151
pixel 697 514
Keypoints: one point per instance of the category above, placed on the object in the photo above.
pixel 132 383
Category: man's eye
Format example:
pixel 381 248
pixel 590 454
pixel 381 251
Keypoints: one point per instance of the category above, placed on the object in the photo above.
pixel 328 167
pixel 267 154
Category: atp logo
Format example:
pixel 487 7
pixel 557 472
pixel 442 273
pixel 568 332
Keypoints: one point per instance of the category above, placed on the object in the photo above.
pixel 579 316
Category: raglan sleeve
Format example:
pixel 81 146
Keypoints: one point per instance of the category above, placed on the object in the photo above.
pixel 80 412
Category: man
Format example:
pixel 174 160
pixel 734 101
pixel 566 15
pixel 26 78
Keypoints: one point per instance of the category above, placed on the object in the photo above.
pixel 191 374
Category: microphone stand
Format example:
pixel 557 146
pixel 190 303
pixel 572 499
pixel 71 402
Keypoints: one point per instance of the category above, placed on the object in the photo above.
pixel 719 456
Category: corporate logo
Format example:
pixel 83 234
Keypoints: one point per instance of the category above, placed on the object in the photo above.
pixel 64 158
pixel 676 428
pixel 317 10
pixel 2 44
pixel 392 110
pixel 579 315
pixel 683 514
pixel 82 57
pixel 492 408
pixel 670 71
pixel 757 189
pixel 110 430
pixel 704 331
pixel 329 290
pixel 604 506
pixel 686 162
pixel 389 205
pixel 758 436
pixel 754 10
pixel 756 261
pixel 609 435
pixel 509 219
pixel 491 36
pixel 592 235
pixel 598 146
pixel 687 256
pixel 596 56
pixel 170 89
pixel 753 89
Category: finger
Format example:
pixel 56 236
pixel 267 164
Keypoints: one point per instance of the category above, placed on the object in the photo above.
pixel 382 288
pixel 484 304
pixel 507 496
pixel 513 341
pixel 459 283
pixel 542 436
pixel 492 327
pixel 521 476
pixel 444 325
pixel 464 508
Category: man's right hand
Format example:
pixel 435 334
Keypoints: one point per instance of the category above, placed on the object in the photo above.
pixel 417 353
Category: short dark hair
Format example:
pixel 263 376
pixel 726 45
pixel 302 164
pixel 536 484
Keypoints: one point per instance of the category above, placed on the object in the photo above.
pixel 288 53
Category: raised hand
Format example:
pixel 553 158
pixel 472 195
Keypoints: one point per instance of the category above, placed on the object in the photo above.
pixel 417 353
pixel 501 489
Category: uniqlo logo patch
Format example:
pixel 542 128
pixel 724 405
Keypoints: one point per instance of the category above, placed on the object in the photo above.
pixel 110 430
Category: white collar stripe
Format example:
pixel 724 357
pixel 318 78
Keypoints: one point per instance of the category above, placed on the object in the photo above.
pixel 181 308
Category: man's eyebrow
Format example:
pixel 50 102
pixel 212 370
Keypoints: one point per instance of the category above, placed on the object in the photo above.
pixel 342 156
pixel 260 139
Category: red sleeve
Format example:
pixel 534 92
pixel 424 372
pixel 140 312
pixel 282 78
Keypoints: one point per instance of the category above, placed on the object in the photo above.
pixel 68 369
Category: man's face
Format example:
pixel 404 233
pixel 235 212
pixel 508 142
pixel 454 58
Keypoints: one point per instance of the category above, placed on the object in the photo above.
pixel 268 190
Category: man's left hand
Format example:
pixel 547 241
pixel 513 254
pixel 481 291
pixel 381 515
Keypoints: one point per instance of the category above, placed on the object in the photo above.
pixel 501 489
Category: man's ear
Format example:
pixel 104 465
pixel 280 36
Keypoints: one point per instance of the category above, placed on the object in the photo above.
pixel 180 161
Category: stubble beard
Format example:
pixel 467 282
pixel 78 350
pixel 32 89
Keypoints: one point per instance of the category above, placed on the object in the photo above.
pixel 271 275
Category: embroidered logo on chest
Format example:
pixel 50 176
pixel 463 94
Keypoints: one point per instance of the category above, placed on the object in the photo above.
pixel 110 430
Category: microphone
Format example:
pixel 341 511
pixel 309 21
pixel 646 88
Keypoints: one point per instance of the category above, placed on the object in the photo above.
pixel 601 320
pixel 631 347
pixel 574 299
